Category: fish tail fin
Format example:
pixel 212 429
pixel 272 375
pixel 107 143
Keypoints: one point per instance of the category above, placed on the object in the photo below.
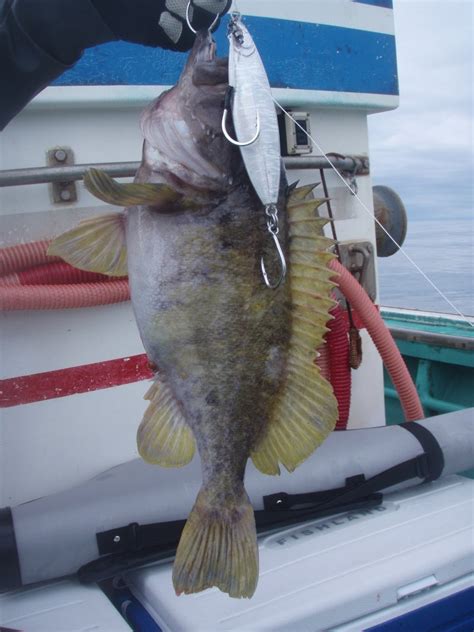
pixel 218 547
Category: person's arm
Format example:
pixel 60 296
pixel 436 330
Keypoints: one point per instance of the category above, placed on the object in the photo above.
pixel 40 39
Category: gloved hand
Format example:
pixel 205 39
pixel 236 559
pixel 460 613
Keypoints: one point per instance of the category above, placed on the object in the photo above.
pixel 159 22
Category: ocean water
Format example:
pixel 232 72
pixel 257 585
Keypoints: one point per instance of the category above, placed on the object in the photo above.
pixel 444 250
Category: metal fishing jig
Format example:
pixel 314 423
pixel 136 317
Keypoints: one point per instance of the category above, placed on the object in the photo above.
pixel 252 93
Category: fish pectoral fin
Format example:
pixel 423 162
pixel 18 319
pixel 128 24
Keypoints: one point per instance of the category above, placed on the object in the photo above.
pixel 96 244
pixel 218 547
pixel 164 437
pixel 306 409
pixel 160 196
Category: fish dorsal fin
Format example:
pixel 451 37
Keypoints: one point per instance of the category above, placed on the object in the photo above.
pixel 306 410
pixel 164 437
pixel 160 196
pixel 96 245
pixel 296 193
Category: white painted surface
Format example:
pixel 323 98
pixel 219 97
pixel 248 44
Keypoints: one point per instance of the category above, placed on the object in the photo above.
pixel 63 606
pixel 50 446
pixel 343 13
pixel 100 135
pixel 117 97
pixel 57 339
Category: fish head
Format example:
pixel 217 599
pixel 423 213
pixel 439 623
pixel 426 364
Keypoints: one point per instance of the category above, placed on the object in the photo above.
pixel 184 143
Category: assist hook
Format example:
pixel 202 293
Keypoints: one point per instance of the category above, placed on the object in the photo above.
pixel 188 21
pixel 227 107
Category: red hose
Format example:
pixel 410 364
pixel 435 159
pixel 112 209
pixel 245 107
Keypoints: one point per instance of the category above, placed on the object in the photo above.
pixel 22 256
pixel 30 279
pixel 323 362
pixel 52 274
pixel 337 342
pixel 383 340
pixel 63 296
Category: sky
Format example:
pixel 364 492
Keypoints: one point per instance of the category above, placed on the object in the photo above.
pixel 424 149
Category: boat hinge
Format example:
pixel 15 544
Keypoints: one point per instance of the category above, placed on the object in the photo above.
pixel 62 191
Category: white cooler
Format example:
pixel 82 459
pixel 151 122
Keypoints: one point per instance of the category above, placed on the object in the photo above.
pixel 60 606
pixel 348 572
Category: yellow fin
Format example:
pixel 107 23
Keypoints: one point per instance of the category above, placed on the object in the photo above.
pixel 164 437
pixel 305 411
pixel 218 547
pixel 319 259
pixel 300 226
pixel 96 244
pixel 107 189
pixel 307 209
pixel 301 193
pixel 314 243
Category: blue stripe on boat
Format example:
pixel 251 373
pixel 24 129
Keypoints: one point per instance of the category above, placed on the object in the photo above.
pixel 297 55
pixel 378 3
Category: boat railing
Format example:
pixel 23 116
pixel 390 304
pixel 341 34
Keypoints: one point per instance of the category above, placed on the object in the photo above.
pixel 353 165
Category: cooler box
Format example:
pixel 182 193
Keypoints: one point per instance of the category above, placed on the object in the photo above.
pixel 61 606
pixel 349 572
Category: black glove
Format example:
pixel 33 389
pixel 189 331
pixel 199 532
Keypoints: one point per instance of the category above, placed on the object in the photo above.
pixel 159 22
pixel 39 39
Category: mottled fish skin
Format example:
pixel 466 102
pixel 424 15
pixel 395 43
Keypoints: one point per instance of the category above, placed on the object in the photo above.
pixel 207 320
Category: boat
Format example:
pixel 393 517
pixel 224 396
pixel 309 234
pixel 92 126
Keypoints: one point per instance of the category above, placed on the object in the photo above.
pixel 74 370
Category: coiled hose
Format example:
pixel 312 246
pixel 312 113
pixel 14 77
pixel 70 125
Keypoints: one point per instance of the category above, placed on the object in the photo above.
pixel 31 279
pixel 383 340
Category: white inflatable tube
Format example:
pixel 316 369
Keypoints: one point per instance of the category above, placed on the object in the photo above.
pixel 56 535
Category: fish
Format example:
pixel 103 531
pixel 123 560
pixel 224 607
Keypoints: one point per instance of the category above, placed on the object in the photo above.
pixel 236 377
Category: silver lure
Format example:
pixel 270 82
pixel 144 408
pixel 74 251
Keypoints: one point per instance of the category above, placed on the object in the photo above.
pixel 254 118
pixel 253 110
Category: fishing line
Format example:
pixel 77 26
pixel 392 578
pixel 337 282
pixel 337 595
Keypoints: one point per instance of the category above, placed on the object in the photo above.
pixel 365 207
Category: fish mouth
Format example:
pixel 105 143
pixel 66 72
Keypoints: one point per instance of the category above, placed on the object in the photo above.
pixel 208 69
pixel 204 48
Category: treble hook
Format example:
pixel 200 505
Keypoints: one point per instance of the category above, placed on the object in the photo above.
pixel 272 225
pixel 228 96
pixel 188 21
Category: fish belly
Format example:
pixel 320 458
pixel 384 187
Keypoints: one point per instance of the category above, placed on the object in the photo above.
pixel 218 336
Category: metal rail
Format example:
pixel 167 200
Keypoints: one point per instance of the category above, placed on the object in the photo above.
pixel 430 338
pixel 358 165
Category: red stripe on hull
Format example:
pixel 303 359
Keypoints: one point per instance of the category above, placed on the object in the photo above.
pixel 38 387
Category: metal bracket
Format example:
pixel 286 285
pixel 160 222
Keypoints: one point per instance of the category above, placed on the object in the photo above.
pixel 358 257
pixel 360 167
pixel 62 192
